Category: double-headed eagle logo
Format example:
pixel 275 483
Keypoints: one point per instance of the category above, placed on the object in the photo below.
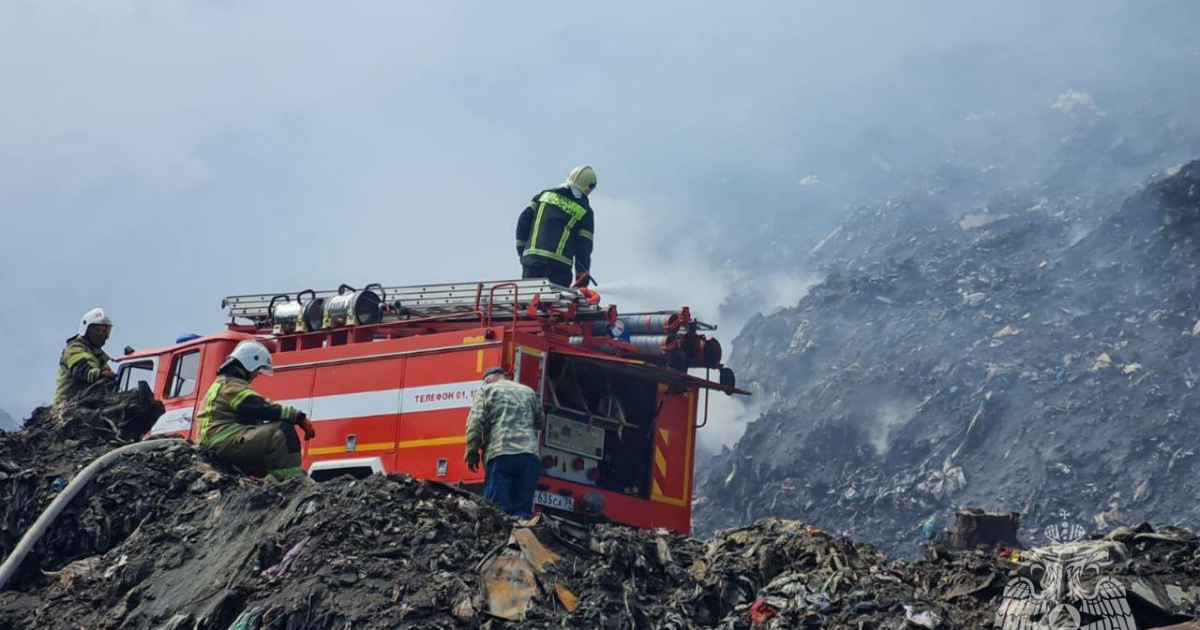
pixel 1072 593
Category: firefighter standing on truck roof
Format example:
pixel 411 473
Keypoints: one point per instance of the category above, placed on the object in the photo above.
pixel 83 362
pixel 503 423
pixel 245 429
pixel 555 230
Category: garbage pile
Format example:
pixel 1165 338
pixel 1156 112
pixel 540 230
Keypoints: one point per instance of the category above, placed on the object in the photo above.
pixel 1032 352
pixel 168 540
pixel 36 463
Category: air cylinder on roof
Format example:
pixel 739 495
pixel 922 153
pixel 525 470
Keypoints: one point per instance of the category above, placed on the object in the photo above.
pixel 297 315
pixel 352 307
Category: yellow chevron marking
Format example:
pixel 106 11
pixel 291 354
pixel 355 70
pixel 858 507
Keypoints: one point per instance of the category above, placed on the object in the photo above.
pixel 663 433
pixel 668 500
pixel 660 462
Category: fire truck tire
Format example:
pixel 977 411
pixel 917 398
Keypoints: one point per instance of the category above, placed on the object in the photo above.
pixel 81 480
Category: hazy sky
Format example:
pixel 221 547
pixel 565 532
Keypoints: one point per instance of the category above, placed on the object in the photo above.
pixel 157 155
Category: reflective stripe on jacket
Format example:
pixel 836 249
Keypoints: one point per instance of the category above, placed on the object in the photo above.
pixel 79 366
pixel 557 227
pixel 231 406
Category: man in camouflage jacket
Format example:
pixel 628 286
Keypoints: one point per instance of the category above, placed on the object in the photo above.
pixel 503 424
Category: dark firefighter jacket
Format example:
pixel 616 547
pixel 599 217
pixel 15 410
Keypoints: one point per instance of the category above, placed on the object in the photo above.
pixel 557 227
pixel 231 406
pixel 80 365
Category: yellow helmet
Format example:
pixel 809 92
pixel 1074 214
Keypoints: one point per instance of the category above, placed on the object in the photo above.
pixel 583 178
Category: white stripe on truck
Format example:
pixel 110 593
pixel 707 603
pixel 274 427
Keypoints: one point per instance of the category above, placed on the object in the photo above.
pixel 357 405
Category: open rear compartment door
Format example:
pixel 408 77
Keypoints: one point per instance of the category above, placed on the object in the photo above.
pixel 619 439
pixel 529 368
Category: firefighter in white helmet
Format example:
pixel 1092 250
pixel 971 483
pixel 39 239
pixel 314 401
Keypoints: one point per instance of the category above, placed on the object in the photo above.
pixel 83 362
pixel 245 429
pixel 555 230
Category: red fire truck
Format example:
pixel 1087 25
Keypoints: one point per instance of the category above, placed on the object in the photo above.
pixel 388 374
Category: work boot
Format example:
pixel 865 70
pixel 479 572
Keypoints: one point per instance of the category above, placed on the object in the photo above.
pixel 283 474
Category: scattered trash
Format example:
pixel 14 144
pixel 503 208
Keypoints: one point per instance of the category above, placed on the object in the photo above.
pixel 929 527
pixel 974 299
pixel 1060 377
pixel 761 612
pixel 819 602
pixel 1007 331
pixel 289 557
pixel 1099 376
pixel 67 575
pixel 248 620
pixel 924 618
pixel 510 585
pixel 386 551
pixel 980 219
pixel 974 527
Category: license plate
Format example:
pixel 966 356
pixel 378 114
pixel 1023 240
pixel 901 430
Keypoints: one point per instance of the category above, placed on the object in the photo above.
pixel 556 501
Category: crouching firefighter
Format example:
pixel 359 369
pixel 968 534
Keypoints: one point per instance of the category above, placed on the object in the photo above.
pixel 84 364
pixel 244 429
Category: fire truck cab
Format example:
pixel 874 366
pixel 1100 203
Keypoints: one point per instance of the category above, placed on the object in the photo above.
pixel 388 376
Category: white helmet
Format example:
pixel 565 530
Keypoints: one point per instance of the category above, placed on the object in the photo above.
pixel 94 316
pixel 253 356
pixel 583 178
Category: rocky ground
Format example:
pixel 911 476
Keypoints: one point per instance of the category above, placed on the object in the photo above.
pixel 168 540
pixel 1030 351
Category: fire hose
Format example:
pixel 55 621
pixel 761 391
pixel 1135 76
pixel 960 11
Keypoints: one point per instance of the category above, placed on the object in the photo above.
pixel 79 482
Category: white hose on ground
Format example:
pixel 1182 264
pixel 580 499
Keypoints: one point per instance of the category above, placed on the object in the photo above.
pixel 31 537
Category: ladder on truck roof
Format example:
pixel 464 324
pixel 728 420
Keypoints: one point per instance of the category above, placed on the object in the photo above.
pixel 500 298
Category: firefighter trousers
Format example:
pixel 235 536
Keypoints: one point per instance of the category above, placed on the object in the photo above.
pixel 510 481
pixel 266 449
pixel 554 272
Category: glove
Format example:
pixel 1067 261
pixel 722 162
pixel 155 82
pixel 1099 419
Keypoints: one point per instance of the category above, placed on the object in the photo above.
pixel 472 460
pixel 307 426
pixel 96 374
